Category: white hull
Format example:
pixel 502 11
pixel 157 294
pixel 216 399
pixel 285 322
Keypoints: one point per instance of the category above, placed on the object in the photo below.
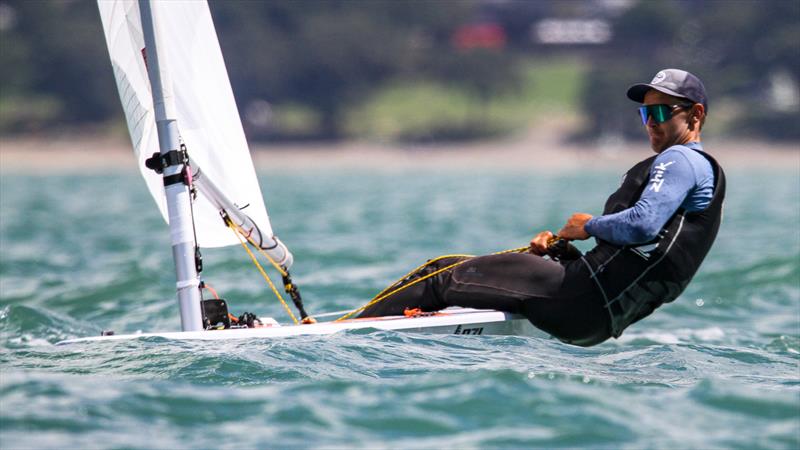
pixel 449 321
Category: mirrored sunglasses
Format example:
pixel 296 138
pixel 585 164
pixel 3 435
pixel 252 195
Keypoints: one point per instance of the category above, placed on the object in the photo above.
pixel 660 113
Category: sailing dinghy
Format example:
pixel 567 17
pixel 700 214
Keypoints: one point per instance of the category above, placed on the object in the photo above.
pixel 193 155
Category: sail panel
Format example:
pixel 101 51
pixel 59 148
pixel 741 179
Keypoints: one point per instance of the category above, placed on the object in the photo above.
pixel 205 110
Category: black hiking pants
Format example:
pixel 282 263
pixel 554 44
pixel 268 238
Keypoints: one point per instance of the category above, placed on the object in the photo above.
pixel 560 299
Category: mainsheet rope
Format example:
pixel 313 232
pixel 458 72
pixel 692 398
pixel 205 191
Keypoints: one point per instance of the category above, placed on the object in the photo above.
pixel 394 289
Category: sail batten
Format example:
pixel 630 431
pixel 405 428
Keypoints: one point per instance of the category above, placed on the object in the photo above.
pixel 204 107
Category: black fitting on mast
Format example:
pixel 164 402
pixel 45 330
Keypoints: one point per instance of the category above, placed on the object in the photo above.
pixel 198 259
pixel 158 162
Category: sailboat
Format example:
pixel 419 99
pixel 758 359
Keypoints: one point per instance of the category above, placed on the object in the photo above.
pixel 192 153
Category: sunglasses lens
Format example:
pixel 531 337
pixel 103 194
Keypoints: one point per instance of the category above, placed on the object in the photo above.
pixel 659 113
pixel 643 114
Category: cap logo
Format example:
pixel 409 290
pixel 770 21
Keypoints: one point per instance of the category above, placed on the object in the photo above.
pixel 660 76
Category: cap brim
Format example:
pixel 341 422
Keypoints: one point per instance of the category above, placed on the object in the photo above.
pixel 637 91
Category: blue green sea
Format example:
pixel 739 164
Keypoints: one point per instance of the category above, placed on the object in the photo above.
pixel 718 368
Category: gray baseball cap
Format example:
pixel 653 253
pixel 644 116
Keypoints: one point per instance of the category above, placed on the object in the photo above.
pixel 675 82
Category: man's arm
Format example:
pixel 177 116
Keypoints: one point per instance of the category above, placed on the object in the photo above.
pixel 672 177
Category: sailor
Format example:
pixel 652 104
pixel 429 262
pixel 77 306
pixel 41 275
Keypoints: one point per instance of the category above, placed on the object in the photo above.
pixel 654 233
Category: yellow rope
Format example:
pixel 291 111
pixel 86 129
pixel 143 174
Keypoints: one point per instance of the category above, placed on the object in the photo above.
pixel 261 269
pixel 426 264
pixel 384 294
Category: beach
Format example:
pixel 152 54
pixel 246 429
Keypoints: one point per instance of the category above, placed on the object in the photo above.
pixel 533 151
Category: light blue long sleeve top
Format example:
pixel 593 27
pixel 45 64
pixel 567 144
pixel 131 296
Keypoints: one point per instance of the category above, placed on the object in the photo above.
pixel 680 177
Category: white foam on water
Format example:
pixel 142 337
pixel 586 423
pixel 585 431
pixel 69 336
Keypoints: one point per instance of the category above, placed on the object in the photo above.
pixel 684 335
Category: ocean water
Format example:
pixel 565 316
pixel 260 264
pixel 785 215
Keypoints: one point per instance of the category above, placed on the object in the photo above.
pixel 718 368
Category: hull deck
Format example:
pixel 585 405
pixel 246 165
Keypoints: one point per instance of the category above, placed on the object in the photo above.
pixel 449 321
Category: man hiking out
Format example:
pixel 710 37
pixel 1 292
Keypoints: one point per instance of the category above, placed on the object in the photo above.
pixel 654 233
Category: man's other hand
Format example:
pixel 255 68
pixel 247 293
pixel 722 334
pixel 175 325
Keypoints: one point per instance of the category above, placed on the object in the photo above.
pixel 539 243
pixel 573 229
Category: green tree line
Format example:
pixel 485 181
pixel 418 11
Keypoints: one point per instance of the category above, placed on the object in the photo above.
pixel 421 70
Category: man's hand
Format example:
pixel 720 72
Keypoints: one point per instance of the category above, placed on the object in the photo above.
pixel 539 243
pixel 573 229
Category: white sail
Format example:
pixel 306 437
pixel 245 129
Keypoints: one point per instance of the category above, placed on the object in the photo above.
pixel 205 109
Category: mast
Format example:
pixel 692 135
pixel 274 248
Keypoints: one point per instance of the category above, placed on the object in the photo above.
pixel 177 191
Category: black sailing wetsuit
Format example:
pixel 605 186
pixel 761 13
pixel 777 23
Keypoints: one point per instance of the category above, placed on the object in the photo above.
pixel 583 301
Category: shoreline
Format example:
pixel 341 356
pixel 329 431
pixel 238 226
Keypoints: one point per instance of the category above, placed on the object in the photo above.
pixel 34 155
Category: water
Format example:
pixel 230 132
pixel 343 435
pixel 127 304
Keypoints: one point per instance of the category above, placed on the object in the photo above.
pixel 720 367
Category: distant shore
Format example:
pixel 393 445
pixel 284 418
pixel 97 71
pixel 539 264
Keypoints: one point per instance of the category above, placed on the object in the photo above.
pixel 533 153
